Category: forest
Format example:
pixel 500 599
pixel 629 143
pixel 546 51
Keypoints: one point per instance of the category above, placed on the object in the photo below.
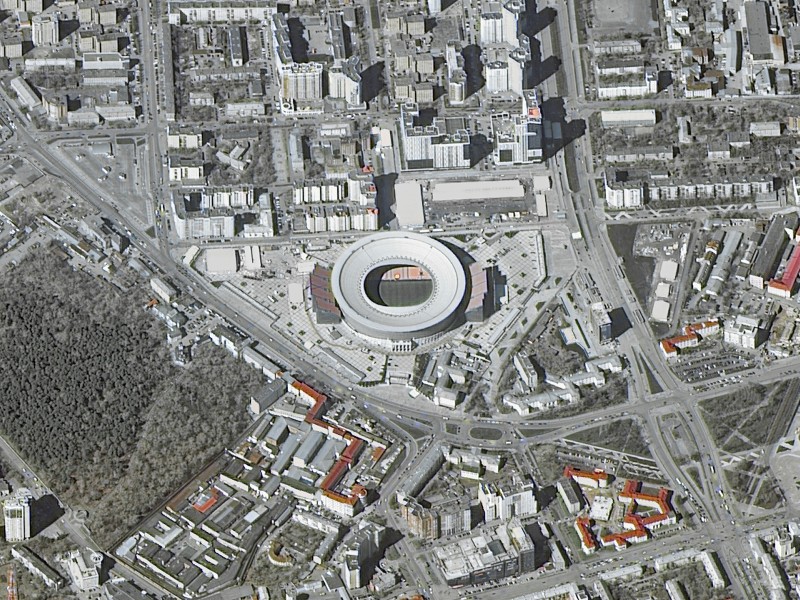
pixel 92 400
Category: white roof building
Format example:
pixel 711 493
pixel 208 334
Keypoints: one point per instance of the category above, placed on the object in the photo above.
pixel 660 311
pixel 408 204
pixel 25 94
pixel 669 270
pixel 221 260
pixel 454 191
pixel 601 508
pixel 84 571
pixel 628 118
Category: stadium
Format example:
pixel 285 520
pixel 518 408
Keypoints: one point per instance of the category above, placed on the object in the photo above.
pixel 400 286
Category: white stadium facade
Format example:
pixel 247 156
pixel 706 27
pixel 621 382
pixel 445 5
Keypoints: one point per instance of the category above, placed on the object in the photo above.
pixel 400 290
pixel 433 311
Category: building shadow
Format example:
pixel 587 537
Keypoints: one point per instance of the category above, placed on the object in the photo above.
pixel 620 323
pixel 664 80
pixel 538 71
pixel 297 40
pixel 473 67
pixel 558 131
pixel 385 198
pixel 44 512
pixel 67 27
pixel 425 117
pixel 372 81
pixel 534 21
pixel 540 543
pixel 105 568
pixel 347 34
pixel 545 495
pixel 479 148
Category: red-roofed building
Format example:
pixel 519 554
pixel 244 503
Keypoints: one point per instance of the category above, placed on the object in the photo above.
pixel 583 526
pixel 596 479
pixel 306 392
pixel 206 500
pixel 351 452
pixel 703 328
pixel 341 503
pixel 785 285
pixel 780 289
pixel 316 410
pixel 670 346
pixel 692 335
pixel 334 475
pixel 668 349
pixel 637 527
pixel 630 492
pixel 635 532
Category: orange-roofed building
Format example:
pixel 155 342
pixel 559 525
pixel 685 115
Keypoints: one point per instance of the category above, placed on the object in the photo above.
pixel 668 349
pixel 630 493
pixel 637 526
pixel 306 392
pixel 703 328
pixel 206 500
pixel 635 532
pixel 583 526
pixel 679 342
pixel 596 478
pixel 339 503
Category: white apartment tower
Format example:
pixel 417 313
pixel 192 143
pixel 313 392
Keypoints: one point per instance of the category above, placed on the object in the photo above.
pixel 504 70
pixel 498 23
pixel 344 81
pixel 301 83
pixel 511 11
pixel 507 500
pixel 491 24
pixel 17 516
pixel 45 30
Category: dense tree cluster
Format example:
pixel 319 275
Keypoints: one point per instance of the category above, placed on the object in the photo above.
pixel 92 400
pixel 196 413
pixel 80 365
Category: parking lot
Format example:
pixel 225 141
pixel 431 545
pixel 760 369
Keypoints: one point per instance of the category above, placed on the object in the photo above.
pixel 711 363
